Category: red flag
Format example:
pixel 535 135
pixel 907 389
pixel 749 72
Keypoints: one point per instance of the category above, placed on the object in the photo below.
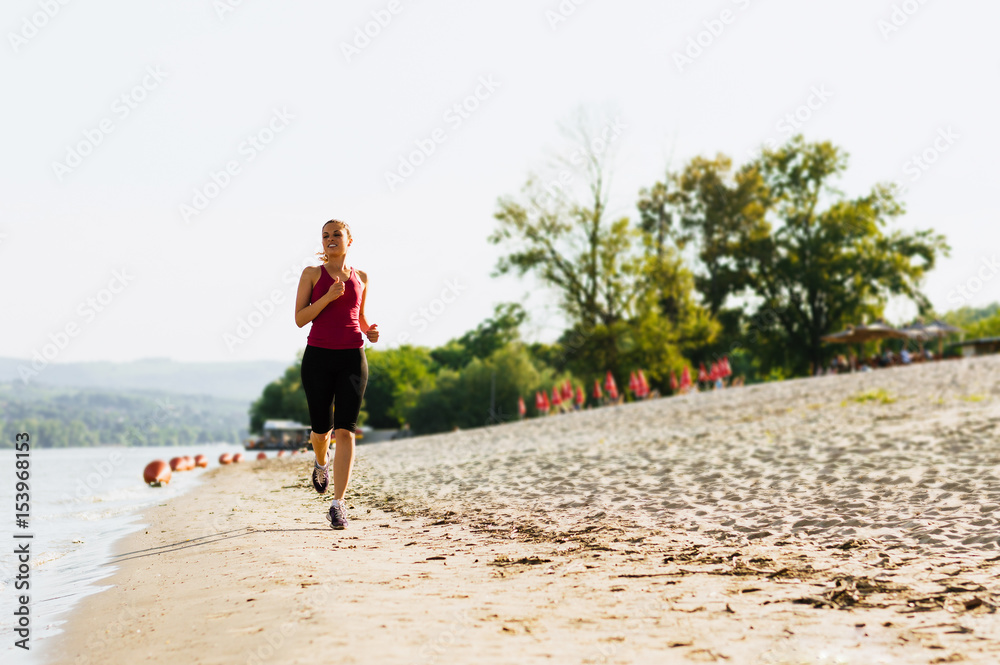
pixel 611 386
pixel 556 399
pixel 633 384
pixel 643 384
pixel 579 395
pixel 702 374
pixel 725 366
pixel 567 393
pixel 715 374
pixel 597 389
pixel 673 382
pixel 545 401
pixel 540 402
pixel 521 409
pixel 685 378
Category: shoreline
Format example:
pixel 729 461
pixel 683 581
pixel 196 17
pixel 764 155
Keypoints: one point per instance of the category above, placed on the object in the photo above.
pixel 85 500
pixel 247 570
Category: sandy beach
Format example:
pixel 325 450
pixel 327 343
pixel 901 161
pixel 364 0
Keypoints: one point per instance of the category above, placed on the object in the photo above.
pixel 841 519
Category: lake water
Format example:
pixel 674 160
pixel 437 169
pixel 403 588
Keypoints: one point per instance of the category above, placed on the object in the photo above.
pixel 83 500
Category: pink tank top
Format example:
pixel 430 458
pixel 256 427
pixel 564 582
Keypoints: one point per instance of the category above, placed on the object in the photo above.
pixel 337 327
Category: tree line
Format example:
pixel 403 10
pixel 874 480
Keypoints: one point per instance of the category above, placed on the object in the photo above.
pixel 67 417
pixel 755 261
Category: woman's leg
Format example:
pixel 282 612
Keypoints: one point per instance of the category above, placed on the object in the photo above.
pixel 320 444
pixel 317 366
pixel 343 461
pixel 351 384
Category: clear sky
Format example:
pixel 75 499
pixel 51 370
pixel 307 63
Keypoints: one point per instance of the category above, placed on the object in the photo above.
pixel 120 222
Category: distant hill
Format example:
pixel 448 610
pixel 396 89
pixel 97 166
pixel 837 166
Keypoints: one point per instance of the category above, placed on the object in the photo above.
pixel 239 380
pixel 66 416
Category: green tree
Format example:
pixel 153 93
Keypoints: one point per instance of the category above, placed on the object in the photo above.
pixel 607 271
pixel 393 375
pixel 492 334
pixel 812 259
pixel 568 240
pixel 484 392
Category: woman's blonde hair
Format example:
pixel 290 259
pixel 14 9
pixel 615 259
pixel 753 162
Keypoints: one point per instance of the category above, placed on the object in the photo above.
pixel 322 255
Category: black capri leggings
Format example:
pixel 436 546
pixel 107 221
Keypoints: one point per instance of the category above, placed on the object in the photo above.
pixel 334 376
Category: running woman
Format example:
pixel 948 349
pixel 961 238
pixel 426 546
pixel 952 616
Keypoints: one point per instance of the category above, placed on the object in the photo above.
pixel 334 367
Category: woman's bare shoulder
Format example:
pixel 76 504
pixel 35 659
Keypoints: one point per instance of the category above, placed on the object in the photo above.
pixel 362 275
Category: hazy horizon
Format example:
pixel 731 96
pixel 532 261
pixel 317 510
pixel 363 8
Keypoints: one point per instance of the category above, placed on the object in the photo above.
pixel 281 117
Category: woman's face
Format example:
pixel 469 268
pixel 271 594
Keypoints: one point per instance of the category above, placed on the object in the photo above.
pixel 336 240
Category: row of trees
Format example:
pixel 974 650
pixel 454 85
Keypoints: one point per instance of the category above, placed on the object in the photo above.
pixel 759 260
pixel 756 261
pixel 75 417
pixel 470 381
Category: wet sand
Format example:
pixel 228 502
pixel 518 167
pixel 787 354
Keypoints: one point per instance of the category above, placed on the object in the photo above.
pixel 844 519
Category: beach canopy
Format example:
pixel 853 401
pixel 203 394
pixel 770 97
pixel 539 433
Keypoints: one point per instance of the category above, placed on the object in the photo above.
pixel 685 378
pixel 702 374
pixel 579 395
pixel 939 328
pixel 673 382
pixel 918 331
pixel 597 389
pixel 726 369
pixel 865 333
pixel 633 384
pixel 540 402
pixel 556 398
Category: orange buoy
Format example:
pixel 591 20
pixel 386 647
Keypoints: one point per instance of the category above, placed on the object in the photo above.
pixel 200 460
pixel 226 458
pixel 261 455
pixel 238 457
pixel 156 473
pixel 281 453
pixel 188 462
pixel 176 464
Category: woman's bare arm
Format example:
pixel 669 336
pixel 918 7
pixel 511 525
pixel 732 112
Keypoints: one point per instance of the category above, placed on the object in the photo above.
pixel 304 311
pixel 369 329
pixel 362 320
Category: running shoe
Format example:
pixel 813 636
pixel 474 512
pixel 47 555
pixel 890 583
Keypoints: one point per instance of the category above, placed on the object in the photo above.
pixel 321 477
pixel 338 514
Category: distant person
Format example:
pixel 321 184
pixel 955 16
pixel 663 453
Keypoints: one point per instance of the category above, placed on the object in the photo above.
pixel 334 366
pixel 904 357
